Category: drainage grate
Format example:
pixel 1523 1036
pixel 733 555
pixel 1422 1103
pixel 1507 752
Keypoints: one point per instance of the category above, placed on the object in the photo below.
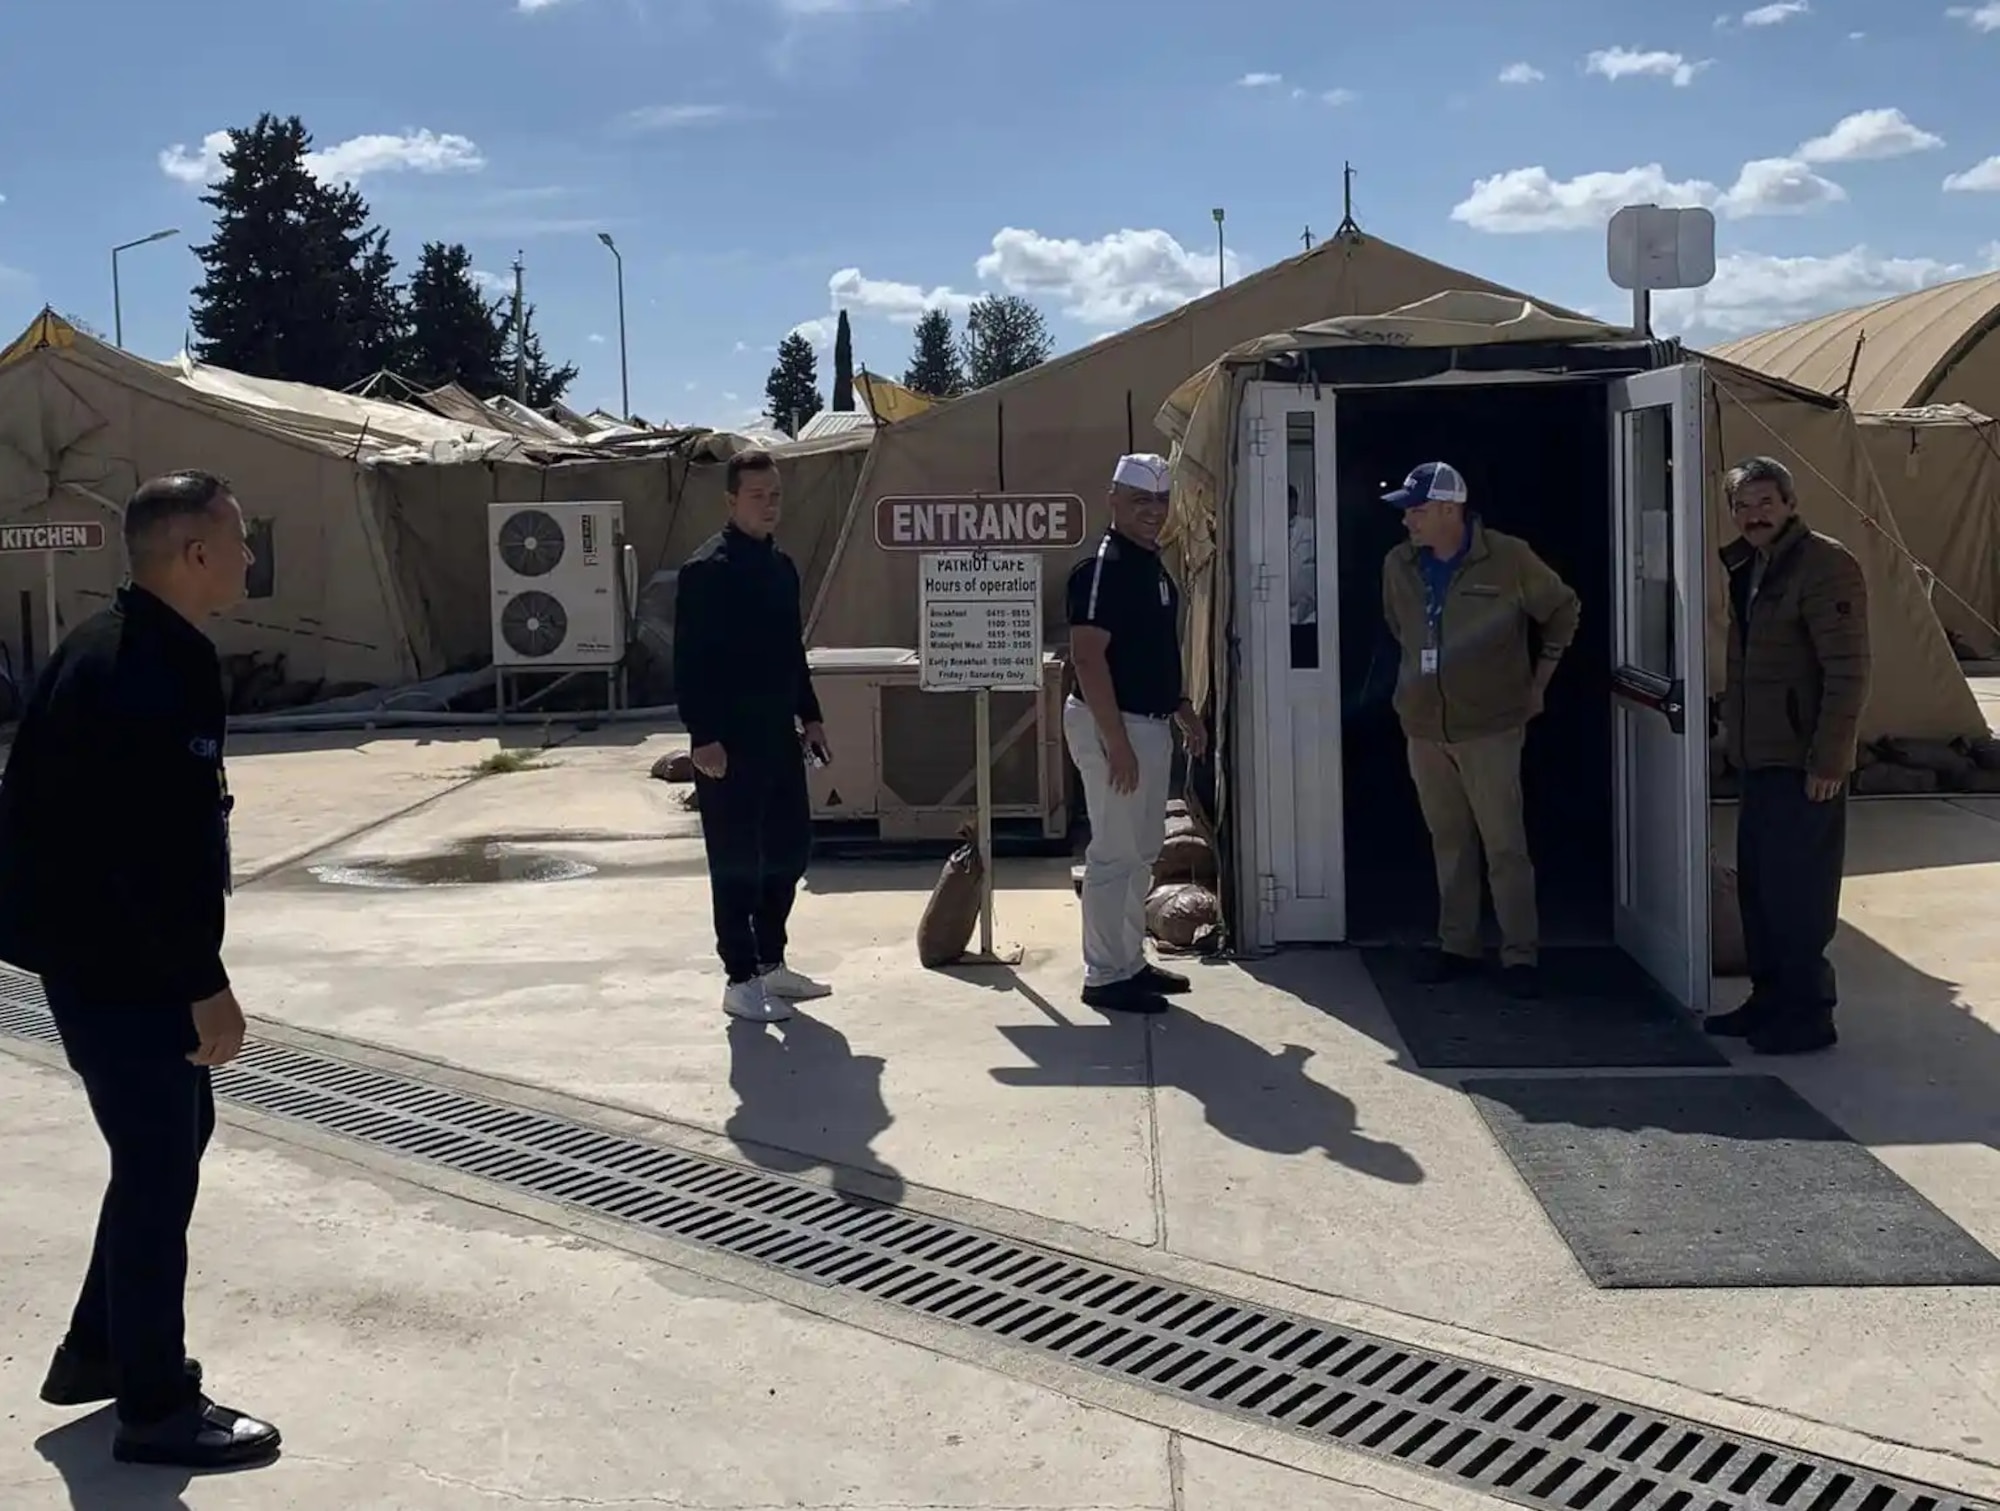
pixel 1530 1441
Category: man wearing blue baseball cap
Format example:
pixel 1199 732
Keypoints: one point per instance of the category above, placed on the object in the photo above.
pixel 1461 600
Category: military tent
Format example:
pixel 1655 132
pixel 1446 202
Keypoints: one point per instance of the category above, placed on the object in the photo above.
pixel 1057 428
pixel 1453 338
pixel 1939 467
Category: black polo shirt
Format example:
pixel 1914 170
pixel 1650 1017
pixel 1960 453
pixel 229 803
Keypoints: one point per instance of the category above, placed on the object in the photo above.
pixel 1125 590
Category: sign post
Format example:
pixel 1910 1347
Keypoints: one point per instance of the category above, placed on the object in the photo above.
pixel 48 539
pixel 980 609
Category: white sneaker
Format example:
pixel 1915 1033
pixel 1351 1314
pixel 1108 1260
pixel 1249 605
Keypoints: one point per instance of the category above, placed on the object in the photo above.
pixel 784 982
pixel 749 1001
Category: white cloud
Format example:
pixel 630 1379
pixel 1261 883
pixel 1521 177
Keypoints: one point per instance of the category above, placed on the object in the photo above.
pixel 1777 186
pixel 529 7
pixel 1527 200
pixel 1980 178
pixel 1521 73
pixel 594 339
pixel 1868 135
pixel 837 7
pixel 1776 15
pixel 817 331
pixel 377 153
pixel 673 117
pixel 1753 291
pixel 485 280
pixel 1115 280
pixel 1259 80
pixel 1339 96
pixel 1980 18
pixel 1629 63
pixel 900 302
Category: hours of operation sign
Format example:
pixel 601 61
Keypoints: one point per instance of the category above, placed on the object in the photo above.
pixel 982 621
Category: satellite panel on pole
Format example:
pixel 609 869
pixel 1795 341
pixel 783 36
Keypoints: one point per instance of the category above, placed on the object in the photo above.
pixel 1650 248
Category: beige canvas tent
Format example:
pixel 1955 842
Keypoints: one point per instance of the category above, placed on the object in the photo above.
pixel 1939 467
pixel 370 515
pixel 1919 690
pixel 1939 345
pixel 1057 428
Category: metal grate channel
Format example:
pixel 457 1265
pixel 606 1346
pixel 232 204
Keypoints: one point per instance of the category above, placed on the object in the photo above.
pixel 1530 1441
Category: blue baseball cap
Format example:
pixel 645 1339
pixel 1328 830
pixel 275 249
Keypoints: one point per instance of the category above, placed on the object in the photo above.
pixel 1433 482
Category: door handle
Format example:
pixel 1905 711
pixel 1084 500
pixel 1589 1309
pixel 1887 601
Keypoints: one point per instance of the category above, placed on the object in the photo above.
pixel 1663 695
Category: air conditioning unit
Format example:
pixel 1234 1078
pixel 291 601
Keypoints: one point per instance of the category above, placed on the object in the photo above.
pixel 903 758
pixel 560 598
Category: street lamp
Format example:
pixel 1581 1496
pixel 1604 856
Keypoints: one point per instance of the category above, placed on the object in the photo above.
pixel 624 373
pixel 1220 260
pixel 117 303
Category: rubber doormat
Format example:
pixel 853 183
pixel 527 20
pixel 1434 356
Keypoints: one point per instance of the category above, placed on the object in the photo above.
pixel 1597 1010
pixel 1660 1182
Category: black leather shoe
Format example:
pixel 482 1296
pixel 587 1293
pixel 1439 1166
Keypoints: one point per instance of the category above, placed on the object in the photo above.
pixel 1159 979
pixel 77 1379
pixel 1737 1024
pixel 200 1435
pixel 1438 967
pixel 1132 995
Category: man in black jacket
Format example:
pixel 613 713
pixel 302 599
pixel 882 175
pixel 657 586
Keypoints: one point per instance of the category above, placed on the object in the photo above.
pixel 747 700
pixel 114 866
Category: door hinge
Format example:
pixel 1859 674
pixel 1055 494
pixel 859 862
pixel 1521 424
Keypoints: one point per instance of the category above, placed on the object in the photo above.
pixel 1260 436
pixel 1269 893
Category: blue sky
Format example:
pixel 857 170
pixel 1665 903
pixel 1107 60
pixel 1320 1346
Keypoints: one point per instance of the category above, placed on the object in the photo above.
pixel 764 162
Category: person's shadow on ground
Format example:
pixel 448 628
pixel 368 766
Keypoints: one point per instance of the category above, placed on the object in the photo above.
pixel 80 1452
pixel 805 1100
pixel 1248 1094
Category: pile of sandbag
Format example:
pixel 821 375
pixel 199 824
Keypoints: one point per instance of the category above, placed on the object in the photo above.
pixel 1183 913
pixel 1894 765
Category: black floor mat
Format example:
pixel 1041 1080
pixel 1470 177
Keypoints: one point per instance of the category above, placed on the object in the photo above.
pixel 1597 1009
pixel 1662 1182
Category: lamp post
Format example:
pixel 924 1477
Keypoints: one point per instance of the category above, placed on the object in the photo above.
pixel 117 299
pixel 1220 281
pixel 624 372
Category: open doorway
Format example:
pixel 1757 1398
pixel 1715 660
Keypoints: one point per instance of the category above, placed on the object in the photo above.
pixel 1537 461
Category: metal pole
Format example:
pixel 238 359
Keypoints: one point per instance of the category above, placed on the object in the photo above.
pixel 1220 281
pixel 520 337
pixel 982 739
pixel 117 295
pixel 49 592
pixel 1642 312
pixel 624 372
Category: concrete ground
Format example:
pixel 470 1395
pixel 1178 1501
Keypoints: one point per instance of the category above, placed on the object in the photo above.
pixel 1272 1139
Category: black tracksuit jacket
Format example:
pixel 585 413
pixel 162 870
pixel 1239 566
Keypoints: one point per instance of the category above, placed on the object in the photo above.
pixel 739 646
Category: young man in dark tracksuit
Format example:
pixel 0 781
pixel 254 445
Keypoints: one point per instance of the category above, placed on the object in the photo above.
pixel 1799 668
pixel 747 700
pixel 114 866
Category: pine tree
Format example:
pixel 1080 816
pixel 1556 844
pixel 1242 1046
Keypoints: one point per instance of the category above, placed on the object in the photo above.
pixel 298 285
pixel 934 368
pixel 791 393
pixel 546 383
pixel 457 335
pixel 1004 335
pixel 843 366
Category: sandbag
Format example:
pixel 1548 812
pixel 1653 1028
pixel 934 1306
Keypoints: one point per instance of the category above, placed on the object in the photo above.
pixel 1985 754
pixel 1977 781
pixel 1726 949
pixel 1187 856
pixel 675 766
pixel 953 910
pixel 1185 916
pixel 1940 756
pixel 1887 777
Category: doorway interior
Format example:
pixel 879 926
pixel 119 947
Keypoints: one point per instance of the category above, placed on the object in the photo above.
pixel 1536 457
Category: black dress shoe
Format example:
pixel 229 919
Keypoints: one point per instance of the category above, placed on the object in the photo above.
pixel 79 1379
pixel 200 1435
pixel 1167 983
pixel 1132 995
pixel 1438 967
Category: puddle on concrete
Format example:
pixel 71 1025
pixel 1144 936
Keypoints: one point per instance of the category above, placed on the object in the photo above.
pixel 473 864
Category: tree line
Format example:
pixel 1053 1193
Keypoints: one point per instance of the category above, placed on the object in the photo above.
pixel 300 285
pixel 1004 334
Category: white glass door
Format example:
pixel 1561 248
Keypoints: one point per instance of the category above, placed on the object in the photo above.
pixel 1289 581
pixel 1660 719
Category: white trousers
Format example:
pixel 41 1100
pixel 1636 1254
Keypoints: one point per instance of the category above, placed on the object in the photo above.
pixel 1126 830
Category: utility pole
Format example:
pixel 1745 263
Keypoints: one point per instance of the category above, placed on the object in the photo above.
pixel 1308 238
pixel 624 372
pixel 117 295
pixel 1220 281
pixel 1348 227
pixel 520 336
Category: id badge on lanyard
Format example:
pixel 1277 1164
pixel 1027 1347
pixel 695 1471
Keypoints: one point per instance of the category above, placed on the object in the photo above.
pixel 1433 621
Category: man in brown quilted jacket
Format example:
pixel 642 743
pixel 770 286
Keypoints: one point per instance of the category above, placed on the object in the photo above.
pixel 1798 680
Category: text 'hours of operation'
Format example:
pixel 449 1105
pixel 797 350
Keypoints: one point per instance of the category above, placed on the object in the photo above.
pixel 982 622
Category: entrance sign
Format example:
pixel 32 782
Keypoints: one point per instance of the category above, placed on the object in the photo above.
pixel 981 622
pixel 47 539
pixel 980 522
pixel 25 540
